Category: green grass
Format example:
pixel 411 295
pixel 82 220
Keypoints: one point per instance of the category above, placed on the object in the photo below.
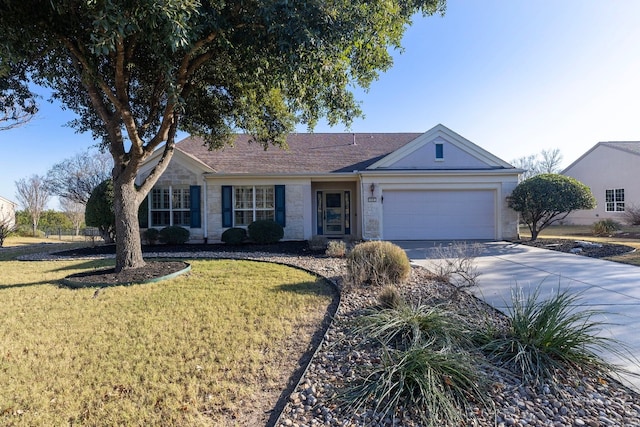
pixel 189 351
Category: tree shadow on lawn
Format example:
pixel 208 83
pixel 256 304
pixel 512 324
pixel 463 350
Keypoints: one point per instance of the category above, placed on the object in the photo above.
pixel 317 338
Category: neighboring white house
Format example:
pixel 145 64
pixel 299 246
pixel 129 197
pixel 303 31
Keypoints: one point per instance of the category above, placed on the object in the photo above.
pixel 7 212
pixel 610 169
pixel 394 186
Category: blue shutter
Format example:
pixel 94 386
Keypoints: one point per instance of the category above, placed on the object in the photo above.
pixel 319 213
pixel 194 199
pixel 227 206
pixel 280 213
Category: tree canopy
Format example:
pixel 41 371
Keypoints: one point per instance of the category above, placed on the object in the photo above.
pixel 546 198
pixel 17 102
pixel 135 72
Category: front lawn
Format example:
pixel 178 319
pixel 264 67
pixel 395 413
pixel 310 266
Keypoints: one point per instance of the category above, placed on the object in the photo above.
pixel 214 347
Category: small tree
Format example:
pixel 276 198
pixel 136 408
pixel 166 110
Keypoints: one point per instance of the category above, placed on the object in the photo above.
pixel 74 211
pixel 547 161
pixel 547 198
pixel 33 195
pixel 99 211
pixel 75 178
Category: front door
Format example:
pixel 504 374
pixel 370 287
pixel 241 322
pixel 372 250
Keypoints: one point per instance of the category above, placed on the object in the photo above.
pixel 333 218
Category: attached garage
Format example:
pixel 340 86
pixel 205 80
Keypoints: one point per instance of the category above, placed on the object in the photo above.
pixel 439 214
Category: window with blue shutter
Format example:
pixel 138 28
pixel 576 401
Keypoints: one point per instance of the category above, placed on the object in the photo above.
pixel 280 211
pixel 196 217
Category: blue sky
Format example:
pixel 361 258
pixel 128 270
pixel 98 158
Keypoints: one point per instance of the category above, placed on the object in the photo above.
pixel 514 77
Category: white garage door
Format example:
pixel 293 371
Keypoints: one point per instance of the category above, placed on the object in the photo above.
pixel 439 215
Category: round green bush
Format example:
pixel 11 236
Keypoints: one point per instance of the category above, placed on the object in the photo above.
pixel 234 236
pixel 377 263
pixel 151 235
pixel 265 231
pixel 174 235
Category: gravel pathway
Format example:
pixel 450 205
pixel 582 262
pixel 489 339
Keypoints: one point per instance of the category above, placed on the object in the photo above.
pixel 592 402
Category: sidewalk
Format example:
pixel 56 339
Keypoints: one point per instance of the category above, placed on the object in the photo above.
pixel 603 285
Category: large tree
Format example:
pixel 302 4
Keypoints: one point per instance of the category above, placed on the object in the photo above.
pixel 137 71
pixel 546 198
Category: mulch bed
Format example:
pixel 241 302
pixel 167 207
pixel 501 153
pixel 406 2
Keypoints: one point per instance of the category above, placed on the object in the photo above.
pixel 153 270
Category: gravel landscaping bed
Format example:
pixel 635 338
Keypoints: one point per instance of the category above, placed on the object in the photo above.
pixel 580 247
pixel 573 401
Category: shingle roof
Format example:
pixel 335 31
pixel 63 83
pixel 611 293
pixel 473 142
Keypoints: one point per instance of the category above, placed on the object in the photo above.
pixel 629 146
pixel 307 153
pixel 632 147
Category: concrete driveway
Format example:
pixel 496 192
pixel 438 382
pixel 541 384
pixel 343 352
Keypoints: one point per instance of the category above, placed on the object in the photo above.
pixel 603 285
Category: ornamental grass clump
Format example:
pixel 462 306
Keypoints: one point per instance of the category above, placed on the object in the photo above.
pixel 550 336
pixel 377 263
pixel 605 227
pixel 389 297
pixel 408 325
pixel 437 385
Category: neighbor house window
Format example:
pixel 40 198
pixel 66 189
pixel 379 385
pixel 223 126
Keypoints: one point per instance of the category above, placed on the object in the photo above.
pixel 170 206
pixel 439 152
pixel 614 200
pixel 253 203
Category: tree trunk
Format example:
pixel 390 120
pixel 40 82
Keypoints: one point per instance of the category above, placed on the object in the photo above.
pixel 128 245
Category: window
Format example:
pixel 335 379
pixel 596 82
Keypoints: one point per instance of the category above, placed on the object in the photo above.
pixel 614 200
pixel 170 206
pixel 253 203
pixel 439 151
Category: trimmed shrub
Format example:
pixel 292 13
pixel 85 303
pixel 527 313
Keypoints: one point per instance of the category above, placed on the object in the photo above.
pixel 318 243
pixel 605 227
pixel 234 236
pixel 151 235
pixel 265 231
pixel 174 235
pixel 336 249
pixel 377 263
